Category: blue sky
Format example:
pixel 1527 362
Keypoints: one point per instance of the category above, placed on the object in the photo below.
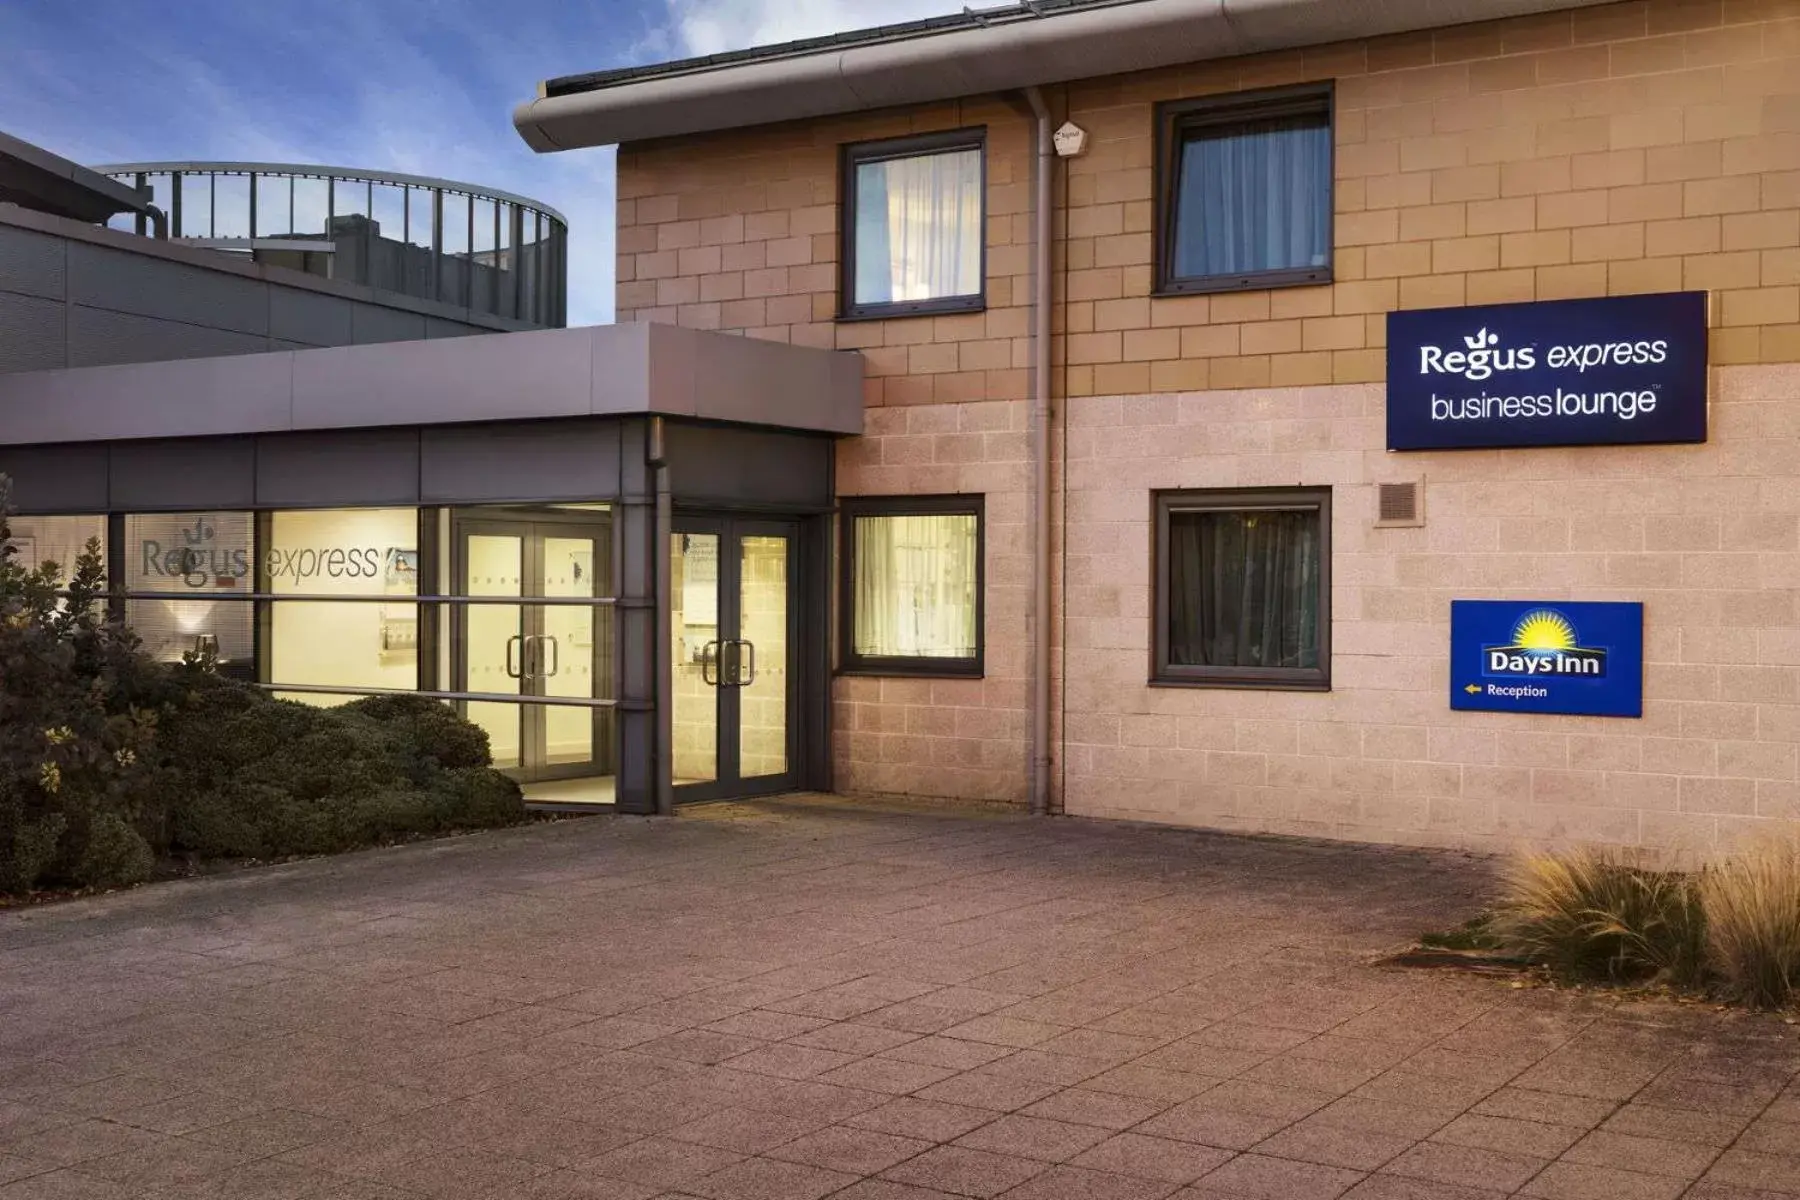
pixel 421 86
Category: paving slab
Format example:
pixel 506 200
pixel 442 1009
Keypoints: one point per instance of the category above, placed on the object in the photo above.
pixel 817 997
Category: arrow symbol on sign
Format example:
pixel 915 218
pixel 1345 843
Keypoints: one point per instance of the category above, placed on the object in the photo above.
pixel 1474 689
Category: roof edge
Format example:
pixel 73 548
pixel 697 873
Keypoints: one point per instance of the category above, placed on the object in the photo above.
pixel 980 53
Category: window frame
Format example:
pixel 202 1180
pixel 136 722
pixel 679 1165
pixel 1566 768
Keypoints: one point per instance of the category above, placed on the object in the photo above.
pixel 1163 673
pixel 1176 117
pixel 855 154
pixel 891 666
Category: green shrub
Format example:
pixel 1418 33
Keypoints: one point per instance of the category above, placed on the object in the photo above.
pixel 1588 915
pixel 1752 904
pixel 108 759
pixel 434 729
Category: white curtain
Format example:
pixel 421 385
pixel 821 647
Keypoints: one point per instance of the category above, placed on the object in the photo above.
pixel 918 228
pixel 1256 198
pixel 915 586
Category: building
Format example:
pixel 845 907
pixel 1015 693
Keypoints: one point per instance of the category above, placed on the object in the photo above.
pixel 1129 532
pixel 472 247
pixel 266 409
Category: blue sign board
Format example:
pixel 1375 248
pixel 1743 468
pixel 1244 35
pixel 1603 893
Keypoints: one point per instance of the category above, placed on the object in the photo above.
pixel 1547 657
pixel 1622 370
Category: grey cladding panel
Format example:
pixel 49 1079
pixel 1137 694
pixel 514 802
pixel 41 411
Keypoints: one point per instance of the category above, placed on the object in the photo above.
pixel 536 460
pixel 438 327
pixel 348 469
pixel 32 263
pixel 56 479
pixel 708 462
pixel 103 277
pixel 368 324
pixel 198 473
pixel 98 337
pixel 309 317
pixel 32 337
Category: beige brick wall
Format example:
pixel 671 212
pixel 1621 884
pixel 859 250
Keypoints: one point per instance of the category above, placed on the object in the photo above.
pixel 1707 537
pixel 1641 146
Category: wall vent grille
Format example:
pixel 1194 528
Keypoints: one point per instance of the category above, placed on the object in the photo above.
pixel 1399 505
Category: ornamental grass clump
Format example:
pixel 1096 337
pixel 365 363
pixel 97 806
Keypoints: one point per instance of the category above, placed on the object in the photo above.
pixel 1587 915
pixel 1752 902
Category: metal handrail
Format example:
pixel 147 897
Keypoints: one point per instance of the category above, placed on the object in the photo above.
pixel 324 689
pixel 364 598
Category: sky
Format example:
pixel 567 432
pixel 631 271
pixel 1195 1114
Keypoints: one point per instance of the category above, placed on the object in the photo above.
pixel 424 87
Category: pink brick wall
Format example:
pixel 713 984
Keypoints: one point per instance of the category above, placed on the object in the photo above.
pixel 1708 537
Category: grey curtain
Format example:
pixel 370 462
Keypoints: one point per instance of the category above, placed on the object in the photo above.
pixel 1244 589
pixel 1254 197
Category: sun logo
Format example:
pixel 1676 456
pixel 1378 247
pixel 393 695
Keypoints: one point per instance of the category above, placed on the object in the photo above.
pixel 1544 631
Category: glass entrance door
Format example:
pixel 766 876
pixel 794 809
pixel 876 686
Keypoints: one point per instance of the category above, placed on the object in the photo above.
pixel 535 650
pixel 734 636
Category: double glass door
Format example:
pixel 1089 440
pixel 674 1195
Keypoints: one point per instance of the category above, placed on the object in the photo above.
pixel 536 650
pixel 735 633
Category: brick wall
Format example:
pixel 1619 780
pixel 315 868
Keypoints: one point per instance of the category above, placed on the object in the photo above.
pixel 1707 537
pixel 1641 146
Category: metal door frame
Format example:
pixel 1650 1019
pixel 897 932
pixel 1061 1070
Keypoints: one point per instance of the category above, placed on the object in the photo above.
pixel 531 527
pixel 731 530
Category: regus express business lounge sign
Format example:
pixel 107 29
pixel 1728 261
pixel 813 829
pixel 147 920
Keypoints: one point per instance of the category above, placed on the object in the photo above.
pixel 1622 370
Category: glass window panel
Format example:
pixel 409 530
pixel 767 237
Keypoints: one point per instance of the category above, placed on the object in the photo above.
pixel 311 203
pixel 1253 196
pixel 494 642
pixel 918 228
pixel 418 203
pixel 351 552
pixel 389 211
pixel 915 584
pixel 1244 588
pixel 59 540
pixel 196 206
pixel 694 605
pixel 350 197
pixel 231 206
pixel 199 557
pixel 763 666
pixel 274 205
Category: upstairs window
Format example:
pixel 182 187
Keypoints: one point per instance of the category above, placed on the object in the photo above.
pixel 1244 199
pixel 914 226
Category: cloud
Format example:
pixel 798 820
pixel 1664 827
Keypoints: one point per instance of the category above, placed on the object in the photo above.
pixel 713 26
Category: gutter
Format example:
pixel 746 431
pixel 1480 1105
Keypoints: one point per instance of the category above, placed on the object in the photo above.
pixel 1006 53
pixel 1043 217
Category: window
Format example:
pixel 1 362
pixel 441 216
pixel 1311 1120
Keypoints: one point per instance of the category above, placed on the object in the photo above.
pixel 348 552
pixel 193 558
pixel 912 584
pixel 1243 588
pixel 915 229
pixel 1244 194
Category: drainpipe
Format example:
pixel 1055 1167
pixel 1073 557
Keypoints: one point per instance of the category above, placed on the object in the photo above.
pixel 159 222
pixel 1040 459
pixel 663 774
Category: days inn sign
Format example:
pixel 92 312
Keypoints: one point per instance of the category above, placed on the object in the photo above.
pixel 1585 659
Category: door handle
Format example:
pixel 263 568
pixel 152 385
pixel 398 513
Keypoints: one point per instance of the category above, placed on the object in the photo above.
pixel 547 639
pixel 515 669
pixel 709 658
pixel 746 664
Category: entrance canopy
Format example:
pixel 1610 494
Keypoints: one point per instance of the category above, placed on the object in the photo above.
pixel 605 370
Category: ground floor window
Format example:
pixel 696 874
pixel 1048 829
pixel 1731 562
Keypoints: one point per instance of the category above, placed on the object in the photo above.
pixel 197 559
pixel 59 540
pixel 355 643
pixel 912 590
pixel 1243 588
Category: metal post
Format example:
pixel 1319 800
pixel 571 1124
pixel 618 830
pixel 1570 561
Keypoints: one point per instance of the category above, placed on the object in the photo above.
pixel 665 627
